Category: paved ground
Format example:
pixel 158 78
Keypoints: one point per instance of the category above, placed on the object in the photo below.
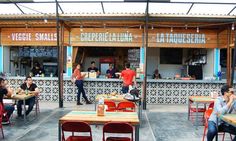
pixel 159 123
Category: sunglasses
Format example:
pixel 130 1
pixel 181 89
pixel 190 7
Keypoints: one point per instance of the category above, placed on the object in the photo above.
pixel 232 92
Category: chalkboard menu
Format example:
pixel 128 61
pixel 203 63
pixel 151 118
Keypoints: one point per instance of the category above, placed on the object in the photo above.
pixel 133 55
pixel 38 52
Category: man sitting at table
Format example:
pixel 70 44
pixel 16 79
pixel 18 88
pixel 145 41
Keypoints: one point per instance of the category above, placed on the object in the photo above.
pixel 28 87
pixel 224 104
pixel 5 91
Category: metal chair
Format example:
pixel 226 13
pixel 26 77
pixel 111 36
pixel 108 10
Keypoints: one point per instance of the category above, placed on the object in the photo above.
pixel 37 110
pixel 117 128
pixel 1 114
pixel 194 110
pixel 76 127
pixel 207 115
pixel 111 106
pixel 126 106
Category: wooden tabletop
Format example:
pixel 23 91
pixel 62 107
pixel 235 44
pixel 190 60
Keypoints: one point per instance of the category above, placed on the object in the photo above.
pixel 229 118
pixel 22 96
pixel 203 99
pixel 92 118
pixel 116 98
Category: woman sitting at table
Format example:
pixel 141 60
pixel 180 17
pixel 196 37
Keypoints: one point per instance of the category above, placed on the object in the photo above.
pixel 5 91
pixel 224 104
pixel 27 87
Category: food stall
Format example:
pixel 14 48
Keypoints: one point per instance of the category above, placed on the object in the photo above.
pixel 174 48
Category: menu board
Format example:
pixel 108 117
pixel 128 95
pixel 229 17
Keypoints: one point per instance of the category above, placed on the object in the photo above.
pixel 134 55
pixel 38 52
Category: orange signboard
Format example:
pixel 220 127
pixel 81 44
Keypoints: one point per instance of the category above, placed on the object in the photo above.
pixel 110 37
pixel 29 36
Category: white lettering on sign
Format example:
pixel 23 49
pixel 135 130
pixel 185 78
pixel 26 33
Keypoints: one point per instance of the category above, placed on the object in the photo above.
pixel 45 36
pixel 21 36
pixel 180 38
pixel 36 37
pixel 106 37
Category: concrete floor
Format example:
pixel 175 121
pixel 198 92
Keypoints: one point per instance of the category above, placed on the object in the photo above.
pixel 159 123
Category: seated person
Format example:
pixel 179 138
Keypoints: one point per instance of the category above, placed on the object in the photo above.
pixel 5 91
pixel 31 88
pixel 156 75
pixel 37 70
pixel 224 104
pixel 111 72
pixel 93 68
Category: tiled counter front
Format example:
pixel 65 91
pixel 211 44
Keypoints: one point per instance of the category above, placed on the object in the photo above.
pixel 158 91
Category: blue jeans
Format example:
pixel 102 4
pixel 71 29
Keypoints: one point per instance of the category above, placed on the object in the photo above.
pixel 29 102
pixel 80 86
pixel 212 130
pixel 9 109
pixel 125 89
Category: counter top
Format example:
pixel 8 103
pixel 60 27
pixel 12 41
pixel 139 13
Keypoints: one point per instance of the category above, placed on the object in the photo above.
pixel 138 80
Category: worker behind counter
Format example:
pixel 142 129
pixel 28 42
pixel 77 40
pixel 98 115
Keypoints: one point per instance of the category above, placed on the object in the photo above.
pixel 93 68
pixel 37 70
pixel 156 74
pixel 110 73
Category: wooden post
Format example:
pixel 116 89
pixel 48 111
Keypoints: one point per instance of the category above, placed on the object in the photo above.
pixel 145 58
pixel 60 59
pixel 229 54
pixel 234 60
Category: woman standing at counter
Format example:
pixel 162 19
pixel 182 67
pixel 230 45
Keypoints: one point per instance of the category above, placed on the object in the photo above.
pixel 77 78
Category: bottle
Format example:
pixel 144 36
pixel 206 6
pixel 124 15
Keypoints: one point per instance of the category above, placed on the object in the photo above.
pixel 26 91
pixel 101 107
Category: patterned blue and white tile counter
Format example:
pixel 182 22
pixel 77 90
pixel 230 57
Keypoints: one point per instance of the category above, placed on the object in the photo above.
pixel 158 91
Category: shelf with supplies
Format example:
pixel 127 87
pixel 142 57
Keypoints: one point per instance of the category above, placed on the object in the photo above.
pixel 196 57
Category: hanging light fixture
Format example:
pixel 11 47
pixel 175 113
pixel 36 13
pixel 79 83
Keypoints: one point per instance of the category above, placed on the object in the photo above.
pixel 81 27
pixel 152 27
pixel 197 29
pixel 45 20
pixel 232 26
pixel 171 29
pixel 140 27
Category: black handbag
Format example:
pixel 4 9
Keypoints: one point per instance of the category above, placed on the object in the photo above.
pixel 135 93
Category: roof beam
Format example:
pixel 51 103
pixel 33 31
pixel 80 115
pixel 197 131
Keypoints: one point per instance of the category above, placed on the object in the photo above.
pixel 190 8
pixel 103 8
pixel 60 8
pixel 117 1
pixel 32 9
pixel 19 8
pixel 231 10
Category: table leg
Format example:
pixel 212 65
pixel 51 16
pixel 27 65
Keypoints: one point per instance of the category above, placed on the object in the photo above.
pixel 188 109
pixel 24 110
pixel 139 110
pixel 95 105
pixel 217 128
pixel 59 131
pixel 196 119
pixel 136 132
